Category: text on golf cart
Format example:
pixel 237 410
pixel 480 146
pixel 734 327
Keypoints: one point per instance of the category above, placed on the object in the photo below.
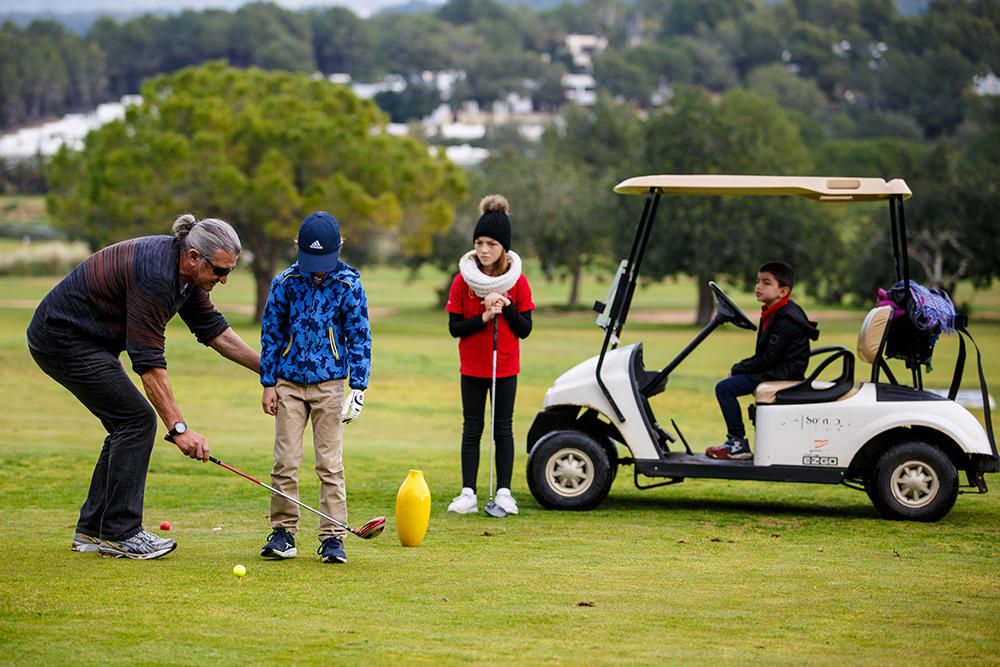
pixel 812 423
pixel 819 460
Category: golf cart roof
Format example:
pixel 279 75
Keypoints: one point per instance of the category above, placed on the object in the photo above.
pixel 820 188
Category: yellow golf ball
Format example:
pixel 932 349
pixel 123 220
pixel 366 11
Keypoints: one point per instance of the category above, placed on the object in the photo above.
pixel 239 570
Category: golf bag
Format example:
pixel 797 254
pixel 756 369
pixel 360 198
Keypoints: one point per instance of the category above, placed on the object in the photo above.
pixel 919 317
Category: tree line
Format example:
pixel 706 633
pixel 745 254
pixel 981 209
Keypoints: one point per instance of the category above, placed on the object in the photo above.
pixel 810 105
pixel 261 149
pixel 857 66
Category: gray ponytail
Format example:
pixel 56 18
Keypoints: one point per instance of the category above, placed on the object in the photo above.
pixel 208 236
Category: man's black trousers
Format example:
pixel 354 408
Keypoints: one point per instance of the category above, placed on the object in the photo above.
pixel 113 509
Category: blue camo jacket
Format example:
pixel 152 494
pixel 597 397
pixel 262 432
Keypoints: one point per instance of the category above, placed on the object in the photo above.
pixel 313 334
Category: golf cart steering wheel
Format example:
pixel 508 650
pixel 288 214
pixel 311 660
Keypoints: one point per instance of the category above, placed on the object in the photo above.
pixel 727 311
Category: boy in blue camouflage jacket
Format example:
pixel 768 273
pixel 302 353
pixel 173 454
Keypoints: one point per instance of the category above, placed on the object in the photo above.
pixel 314 334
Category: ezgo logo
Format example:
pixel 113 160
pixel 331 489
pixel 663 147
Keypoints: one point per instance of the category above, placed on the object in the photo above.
pixel 813 460
pixel 816 459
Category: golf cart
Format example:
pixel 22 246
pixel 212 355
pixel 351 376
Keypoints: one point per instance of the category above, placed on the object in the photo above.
pixel 902 445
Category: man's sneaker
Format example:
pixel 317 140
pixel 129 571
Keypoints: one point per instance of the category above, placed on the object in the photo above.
pixel 734 448
pixel 85 543
pixel 505 501
pixel 331 550
pixel 465 502
pixel 280 544
pixel 144 545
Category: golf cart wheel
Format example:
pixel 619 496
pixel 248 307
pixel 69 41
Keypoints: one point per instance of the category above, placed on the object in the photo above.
pixel 569 470
pixel 913 481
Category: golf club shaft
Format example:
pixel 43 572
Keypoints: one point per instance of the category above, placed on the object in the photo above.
pixel 493 401
pixel 283 495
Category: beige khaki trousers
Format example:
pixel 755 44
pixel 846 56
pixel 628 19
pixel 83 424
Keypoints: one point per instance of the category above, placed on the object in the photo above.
pixel 297 404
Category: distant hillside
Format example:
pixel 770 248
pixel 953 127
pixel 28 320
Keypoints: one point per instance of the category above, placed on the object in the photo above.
pixel 412 7
pixel 88 10
pixel 912 7
pixel 78 22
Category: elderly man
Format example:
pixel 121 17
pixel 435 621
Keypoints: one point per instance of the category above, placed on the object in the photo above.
pixel 121 298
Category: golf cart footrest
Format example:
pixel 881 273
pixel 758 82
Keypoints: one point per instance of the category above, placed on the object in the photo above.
pixel 699 466
pixel 978 481
pixel 643 487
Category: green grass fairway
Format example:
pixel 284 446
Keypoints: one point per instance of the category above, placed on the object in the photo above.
pixel 696 573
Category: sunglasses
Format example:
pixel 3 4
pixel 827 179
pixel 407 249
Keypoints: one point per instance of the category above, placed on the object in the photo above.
pixel 220 271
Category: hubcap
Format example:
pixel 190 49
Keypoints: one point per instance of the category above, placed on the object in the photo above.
pixel 914 484
pixel 569 472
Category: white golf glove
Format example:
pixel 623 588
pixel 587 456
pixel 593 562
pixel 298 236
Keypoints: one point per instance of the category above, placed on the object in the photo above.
pixel 352 405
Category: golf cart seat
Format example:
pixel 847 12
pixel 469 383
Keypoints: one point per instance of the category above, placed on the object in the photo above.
pixel 871 342
pixel 812 390
pixel 872 337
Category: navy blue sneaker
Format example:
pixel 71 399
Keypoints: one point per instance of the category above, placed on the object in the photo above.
pixel 733 448
pixel 280 544
pixel 332 551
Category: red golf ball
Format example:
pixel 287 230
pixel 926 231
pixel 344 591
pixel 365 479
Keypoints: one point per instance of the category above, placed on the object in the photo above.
pixel 165 525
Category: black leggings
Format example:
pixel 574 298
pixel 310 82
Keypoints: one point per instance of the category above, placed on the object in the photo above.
pixel 474 393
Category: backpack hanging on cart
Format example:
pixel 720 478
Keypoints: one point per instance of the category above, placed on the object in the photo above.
pixel 920 315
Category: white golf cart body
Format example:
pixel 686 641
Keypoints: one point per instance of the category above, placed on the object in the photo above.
pixel 824 435
pixel 901 444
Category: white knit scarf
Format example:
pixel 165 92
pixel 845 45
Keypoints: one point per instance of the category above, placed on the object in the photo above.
pixel 482 284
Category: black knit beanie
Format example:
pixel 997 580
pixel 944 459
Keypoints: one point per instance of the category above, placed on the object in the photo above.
pixel 496 225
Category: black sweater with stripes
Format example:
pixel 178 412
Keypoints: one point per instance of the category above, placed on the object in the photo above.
pixel 121 298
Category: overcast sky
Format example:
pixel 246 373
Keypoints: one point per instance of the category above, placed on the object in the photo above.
pixel 360 7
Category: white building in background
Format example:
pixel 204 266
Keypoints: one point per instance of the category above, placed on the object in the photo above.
pixel 444 81
pixel 48 138
pixel 531 131
pixel 458 131
pixel 986 85
pixel 393 83
pixel 580 88
pixel 583 48
pixel 511 105
pixel 466 155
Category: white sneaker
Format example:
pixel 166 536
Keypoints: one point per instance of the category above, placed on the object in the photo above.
pixel 505 501
pixel 465 502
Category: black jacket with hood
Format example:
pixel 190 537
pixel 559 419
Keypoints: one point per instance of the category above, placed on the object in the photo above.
pixel 782 348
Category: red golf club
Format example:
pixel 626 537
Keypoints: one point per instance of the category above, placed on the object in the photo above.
pixel 372 528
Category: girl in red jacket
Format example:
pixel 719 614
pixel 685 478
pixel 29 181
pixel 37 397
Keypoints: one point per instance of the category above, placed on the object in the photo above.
pixel 489 287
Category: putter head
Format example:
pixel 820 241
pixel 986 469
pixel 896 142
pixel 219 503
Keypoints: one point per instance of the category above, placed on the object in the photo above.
pixel 371 529
pixel 494 510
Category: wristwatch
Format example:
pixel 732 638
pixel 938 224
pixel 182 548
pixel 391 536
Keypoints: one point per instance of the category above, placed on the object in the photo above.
pixel 178 428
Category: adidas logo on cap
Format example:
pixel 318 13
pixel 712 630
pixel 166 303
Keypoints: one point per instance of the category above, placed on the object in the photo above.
pixel 316 245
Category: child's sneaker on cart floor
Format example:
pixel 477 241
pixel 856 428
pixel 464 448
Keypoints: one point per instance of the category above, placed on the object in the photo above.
pixel 734 448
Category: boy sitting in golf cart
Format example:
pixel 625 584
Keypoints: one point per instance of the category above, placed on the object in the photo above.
pixel 782 353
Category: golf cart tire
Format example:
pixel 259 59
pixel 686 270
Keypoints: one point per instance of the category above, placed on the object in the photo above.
pixel 913 481
pixel 569 470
